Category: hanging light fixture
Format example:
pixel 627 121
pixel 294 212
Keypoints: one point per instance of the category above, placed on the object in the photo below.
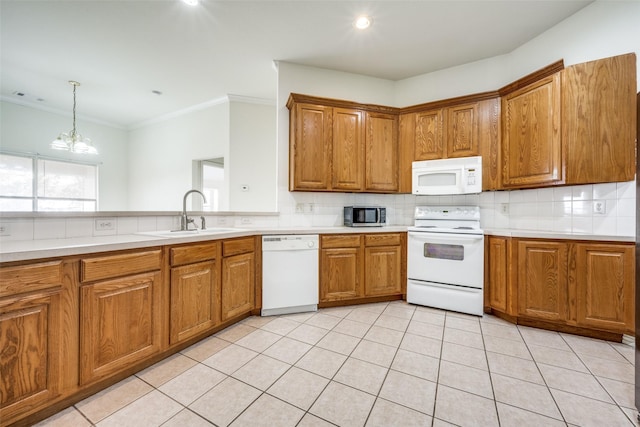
pixel 73 141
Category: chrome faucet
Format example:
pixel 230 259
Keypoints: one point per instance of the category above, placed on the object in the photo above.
pixel 184 219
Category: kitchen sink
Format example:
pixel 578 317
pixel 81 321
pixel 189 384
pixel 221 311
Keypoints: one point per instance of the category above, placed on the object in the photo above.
pixel 187 233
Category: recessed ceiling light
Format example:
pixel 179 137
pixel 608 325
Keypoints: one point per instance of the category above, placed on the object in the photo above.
pixel 191 2
pixel 363 22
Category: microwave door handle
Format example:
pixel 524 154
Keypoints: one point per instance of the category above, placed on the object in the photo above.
pixel 377 215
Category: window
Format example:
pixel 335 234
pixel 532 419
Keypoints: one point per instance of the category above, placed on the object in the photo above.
pixel 38 184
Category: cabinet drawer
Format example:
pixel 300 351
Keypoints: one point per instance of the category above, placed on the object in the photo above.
pixel 119 265
pixel 193 253
pixel 382 239
pixel 28 278
pixel 340 241
pixel 238 246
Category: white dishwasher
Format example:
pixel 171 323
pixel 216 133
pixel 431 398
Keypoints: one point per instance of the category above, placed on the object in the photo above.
pixel 289 274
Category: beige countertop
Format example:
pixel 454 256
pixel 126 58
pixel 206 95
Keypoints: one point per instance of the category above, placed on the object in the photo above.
pixel 538 234
pixel 22 250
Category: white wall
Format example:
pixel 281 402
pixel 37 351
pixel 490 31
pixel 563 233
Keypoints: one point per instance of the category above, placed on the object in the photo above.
pixel 602 29
pixel 252 157
pixel 161 154
pixel 30 130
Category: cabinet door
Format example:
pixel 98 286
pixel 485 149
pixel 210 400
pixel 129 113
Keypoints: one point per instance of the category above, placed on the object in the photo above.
pixel 462 130
pixel 310 147
pixel 340 274
pixel 348 150
pixel 605 281
pixel 489 145
pixel 193 300
pixel 238 285
pixel 406 141
pixel 542 280
pixel 531 144
pixel 498 286
pixel 382 272
pixel 120 324
pixel 598 120
pixel 381 152
pixel 30 333
pixel 429 136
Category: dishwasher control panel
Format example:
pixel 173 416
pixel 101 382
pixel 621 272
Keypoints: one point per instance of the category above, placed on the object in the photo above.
pixel 290 242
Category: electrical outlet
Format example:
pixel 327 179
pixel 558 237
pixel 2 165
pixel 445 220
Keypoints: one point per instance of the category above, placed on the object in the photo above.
pixel 245 220
pixel 504 208
pixel 308 207
pixel 299 207
pixel 105 224
pixel 221 220
pixel 5 230
pixel 600 207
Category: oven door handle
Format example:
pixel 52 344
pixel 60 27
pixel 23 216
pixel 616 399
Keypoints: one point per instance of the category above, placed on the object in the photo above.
pixel 445 236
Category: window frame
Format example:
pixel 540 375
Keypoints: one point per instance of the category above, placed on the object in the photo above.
pixel 35 159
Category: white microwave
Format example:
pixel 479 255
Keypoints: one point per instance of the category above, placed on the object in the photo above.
pixel 462 175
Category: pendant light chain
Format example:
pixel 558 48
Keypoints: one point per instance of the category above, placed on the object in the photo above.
pixel 73 141
pixel 75 84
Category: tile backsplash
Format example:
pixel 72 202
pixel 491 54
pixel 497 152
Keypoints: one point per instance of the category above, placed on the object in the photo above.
pixel 567 209
pixel 561 209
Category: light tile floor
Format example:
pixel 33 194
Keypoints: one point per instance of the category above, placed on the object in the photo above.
pixel 386 364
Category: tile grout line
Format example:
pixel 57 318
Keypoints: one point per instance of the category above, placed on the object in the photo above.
pixel 388 368
pixel 595 377
pixel 564 419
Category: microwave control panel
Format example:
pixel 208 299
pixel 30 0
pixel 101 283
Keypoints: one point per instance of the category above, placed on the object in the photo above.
pixel 471 174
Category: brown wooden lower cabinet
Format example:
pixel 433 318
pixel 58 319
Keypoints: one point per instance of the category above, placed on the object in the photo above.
pixel 358 266
pixel 498 293
pixel 238 278
pixel 120 324
pixel 340 273
pixel 582 287
pixel 604 275
pixel 194 290
pixel 193 300
pixel 74 325
pixel 542 280
pixel 30 331
pixel 383 262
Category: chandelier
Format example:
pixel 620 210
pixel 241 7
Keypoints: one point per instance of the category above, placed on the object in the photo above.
pixel 73 141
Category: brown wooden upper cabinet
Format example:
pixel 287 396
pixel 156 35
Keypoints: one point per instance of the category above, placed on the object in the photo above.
pixel 459 127
pixel 310 136
pixel 555 126
pixel 348 150
pixel 532 152
pixel 570 126
pixel 462 130
pixel 428 139
pixel 342 146
pixel 599 120
pixel 381 152
pixel 446 132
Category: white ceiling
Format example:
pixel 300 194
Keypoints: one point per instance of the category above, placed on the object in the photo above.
pixel 122 50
